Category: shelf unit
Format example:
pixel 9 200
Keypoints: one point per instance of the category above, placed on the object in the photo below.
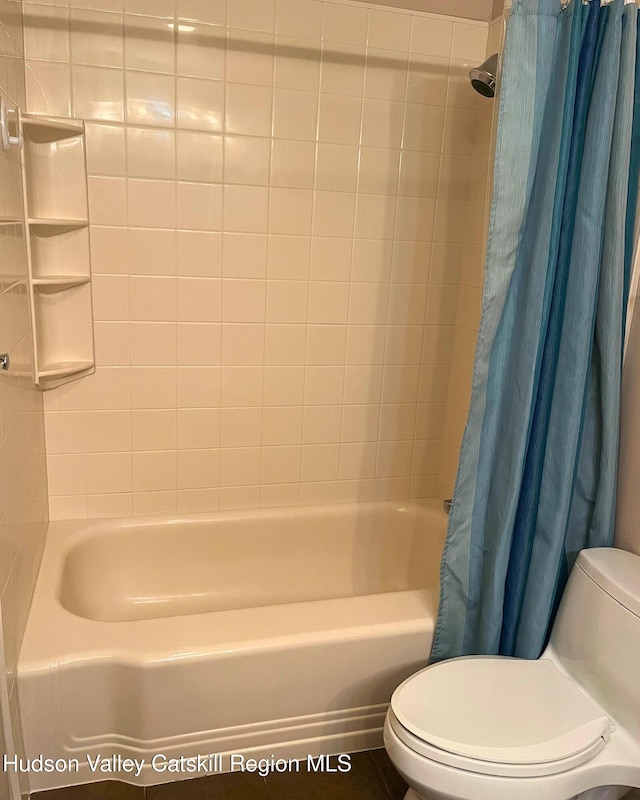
pixel 54 177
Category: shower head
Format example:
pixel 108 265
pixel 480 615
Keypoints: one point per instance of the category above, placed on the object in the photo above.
pixel 483 78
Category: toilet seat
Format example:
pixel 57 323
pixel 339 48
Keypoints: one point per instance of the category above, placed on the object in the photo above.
pixel 499 716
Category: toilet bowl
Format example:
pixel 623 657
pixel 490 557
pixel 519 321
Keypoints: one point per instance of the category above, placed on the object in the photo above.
pixel 562 727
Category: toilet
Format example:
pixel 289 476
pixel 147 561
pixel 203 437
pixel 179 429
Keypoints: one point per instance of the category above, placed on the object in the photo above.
pixel 565 726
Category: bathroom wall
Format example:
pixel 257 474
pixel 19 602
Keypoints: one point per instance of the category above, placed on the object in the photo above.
pixel 470 9
pixel 471 278
pixel 279 200
pixel 23 486
pixel 627 529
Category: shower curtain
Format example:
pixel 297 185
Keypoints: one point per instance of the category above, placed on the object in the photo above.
pixel 537 473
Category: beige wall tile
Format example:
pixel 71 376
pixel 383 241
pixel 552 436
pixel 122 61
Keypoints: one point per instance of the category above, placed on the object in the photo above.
pixel 284 494
pixel 321 424
pixel 360 423
pixel 153 429
pixel 290 211
pixel 201 52
pixel 339 119
pixel 246 160
pixel 281 465
pixel 320 462
pixel 299 18
pixel 108 201
pixel 153 387
pixel 382 123
pixel 295 114
pixel 343 69
pixel 283 386
pixel 105 149
pixel 49 88
pixel 284 344
pixel 254 15
pixel 469 41
pixel 198 254
pixel 358 461
pixel 150 99
pixel 288 257
pixel 250 57
pixel 244 255
pixel 239 497
pixel 389 30
pixel 333 214
pixel 292 163
pixel 108 473
pixel 337 167
pixel 198 428
pixel 46 34
pixel 331 259
pixel 198 469
pixel 96 38
pixel 153 503
pixel 199 157
pixel 152 252
pixel 246 209
pixel 152 343
pixel 240 427
pixel 248 109
pixel 107 431
pixel 240 467
pixel 344 24
pixel 212 12
pixel 198 387
pixel 151 153
pixel 154 472
pixel 200 104
pixel 432 37
pixel 282 425
pixel 199 206
pixel 23 508
pixel 243 344
pixel 98 93
pixel 151 204
pixel 323 385
pixel 295 65
pixel 287 207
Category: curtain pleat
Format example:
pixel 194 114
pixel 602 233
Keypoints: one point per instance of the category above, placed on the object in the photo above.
pixel 537 473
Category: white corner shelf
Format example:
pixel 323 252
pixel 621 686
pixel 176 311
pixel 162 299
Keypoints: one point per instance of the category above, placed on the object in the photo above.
pixel 50 129
pixel 57 283
pixel 55 226
pixel 54 178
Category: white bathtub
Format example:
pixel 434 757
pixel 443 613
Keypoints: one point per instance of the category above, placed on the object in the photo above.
pixel 263 633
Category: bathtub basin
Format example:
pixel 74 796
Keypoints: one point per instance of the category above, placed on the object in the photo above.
pixel 278 632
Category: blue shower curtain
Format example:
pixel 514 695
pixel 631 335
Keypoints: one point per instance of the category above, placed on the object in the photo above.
pixel 537 474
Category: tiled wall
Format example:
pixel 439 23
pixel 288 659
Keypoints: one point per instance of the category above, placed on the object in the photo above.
pixel 23 484
pixel 279 198
pixel 469 9
pixel 471 276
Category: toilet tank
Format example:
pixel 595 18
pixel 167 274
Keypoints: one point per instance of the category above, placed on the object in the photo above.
pixel 596 635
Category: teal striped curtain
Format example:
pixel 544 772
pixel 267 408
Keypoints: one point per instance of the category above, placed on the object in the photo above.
pixel 537 474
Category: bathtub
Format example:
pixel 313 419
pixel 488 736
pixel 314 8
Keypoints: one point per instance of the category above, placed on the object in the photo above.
pixel 254 634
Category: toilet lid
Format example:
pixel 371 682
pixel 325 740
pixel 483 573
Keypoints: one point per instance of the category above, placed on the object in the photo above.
pixel 502 710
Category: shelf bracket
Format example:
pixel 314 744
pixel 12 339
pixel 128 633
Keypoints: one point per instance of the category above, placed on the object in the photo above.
pixel 6 139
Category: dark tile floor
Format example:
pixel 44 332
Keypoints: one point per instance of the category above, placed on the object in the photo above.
pixel 372 777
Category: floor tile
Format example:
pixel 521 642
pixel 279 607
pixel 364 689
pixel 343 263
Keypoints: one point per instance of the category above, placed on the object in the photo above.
pixel 372 777
pixel 394 782
pixel 363 782
pixel 104 790
pixel 228 786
